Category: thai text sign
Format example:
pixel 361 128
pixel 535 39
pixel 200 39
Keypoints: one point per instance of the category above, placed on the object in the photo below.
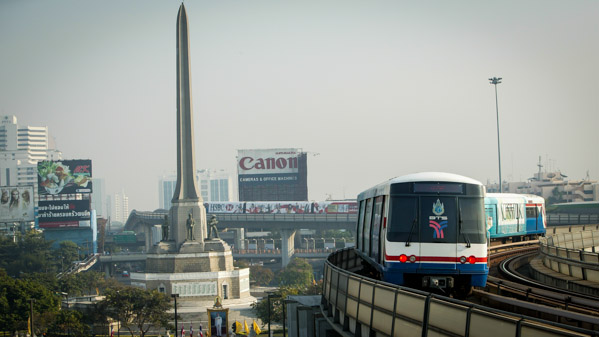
pixel 63 213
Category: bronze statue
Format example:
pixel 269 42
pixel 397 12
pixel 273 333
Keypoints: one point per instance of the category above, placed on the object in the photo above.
pixel 213 230
pixel 165 229
pixel 190 224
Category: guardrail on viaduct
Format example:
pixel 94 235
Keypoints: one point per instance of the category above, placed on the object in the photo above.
pixel 574 253
pixel 357 305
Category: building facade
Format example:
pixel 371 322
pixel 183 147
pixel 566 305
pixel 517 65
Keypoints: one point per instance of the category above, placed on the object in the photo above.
pixel 214 185
pixel 553 187
pixel 121 207
pixel 21 147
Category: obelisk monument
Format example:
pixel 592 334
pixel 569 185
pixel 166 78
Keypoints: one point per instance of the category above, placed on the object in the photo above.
pixel 186 199
pixel 185 261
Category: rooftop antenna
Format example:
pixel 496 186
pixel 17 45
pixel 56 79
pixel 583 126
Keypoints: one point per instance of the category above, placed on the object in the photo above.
pixel 540 167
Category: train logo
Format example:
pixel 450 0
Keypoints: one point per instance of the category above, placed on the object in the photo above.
pixel 438 210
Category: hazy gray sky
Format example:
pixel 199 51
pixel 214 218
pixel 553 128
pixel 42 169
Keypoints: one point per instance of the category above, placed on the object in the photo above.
pixel 377 88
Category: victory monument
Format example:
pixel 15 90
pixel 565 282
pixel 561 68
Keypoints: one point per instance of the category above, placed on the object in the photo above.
pixel 187 261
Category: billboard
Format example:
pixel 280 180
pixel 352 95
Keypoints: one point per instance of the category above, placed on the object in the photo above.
pixel 272 175
pixel 64 177
pixel 16 204
pixel 64 213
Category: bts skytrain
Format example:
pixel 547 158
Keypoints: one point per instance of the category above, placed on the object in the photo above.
pixel 425 230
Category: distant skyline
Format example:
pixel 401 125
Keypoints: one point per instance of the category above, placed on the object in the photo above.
pixel 377 89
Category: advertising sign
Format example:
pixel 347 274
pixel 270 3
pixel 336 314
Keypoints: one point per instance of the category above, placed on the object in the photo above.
pixel 64 213
pixel 64 177
pixel 283 207
pixel 336 207
pixel 16 204
pixel 270 161
pixel 225 207
pixel 272 175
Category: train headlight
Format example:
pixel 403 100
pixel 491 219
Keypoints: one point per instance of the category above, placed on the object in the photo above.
pixel 412 258
pixel 403 258
pixel 472 259
pixel 463 259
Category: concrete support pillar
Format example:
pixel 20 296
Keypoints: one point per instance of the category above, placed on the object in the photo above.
pixel 287 246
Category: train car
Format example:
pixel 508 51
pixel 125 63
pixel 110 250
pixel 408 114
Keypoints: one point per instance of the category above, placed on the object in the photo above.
pixel 515 216
pixel 284 207
pixel 425 230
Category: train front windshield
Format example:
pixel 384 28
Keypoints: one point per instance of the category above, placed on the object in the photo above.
pixel 436 219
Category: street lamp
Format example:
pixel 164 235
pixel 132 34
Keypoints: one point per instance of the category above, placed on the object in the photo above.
pixel 31 300
pixel 174 296
pixel 495 81
pixel 271 295
pixel 68 324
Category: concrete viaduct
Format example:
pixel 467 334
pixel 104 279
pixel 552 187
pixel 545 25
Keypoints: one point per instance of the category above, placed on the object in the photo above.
pixel 285 224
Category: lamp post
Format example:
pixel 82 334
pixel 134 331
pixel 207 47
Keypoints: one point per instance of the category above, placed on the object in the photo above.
pixel 495 81
pixel 31 300
pixel 174 296
pixel 271 295
pixel 66 295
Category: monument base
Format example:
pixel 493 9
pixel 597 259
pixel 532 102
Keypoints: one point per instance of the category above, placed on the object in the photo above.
pixel 197 286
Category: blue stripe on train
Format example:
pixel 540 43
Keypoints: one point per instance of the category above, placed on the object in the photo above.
pixel 393 272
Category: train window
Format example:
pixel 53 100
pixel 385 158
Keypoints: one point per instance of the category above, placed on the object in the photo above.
pixel 360 224
pixel 473 227
pixel 367 222
pixel 531 212
pixel 509 211
pixel 403 214
pixel 438 219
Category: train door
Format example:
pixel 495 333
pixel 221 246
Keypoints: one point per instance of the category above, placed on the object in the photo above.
pixel 532 218
pixel 383 235
pixel 491 217
pixel 360 226
pixel 438 232
pixel 367 222
pixel 377 217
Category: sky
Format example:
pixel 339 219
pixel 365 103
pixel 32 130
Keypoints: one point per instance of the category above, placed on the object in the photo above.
pixel 370 89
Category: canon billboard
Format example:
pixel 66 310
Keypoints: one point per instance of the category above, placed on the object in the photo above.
pixel 272 175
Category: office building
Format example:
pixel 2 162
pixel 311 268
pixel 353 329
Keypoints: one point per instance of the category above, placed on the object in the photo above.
pixel 21 147
pixel 214 185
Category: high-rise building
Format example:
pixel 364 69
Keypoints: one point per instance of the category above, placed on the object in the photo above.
pixel 21 147
pixel 121 207
pixel 214 185
pixel 99 198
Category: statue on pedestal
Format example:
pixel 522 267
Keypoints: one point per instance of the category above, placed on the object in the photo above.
pixel 190 225
pixel 165 226
pixel 213 233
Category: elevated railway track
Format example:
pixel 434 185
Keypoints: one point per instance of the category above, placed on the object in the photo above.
pixel 357 305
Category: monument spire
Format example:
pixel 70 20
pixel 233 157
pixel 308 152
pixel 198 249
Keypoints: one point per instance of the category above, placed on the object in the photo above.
pixel 186 188
pixel 187 212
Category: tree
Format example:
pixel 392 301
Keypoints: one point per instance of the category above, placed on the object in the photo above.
pixel 276 310
pixel 297 273
pixel 29 254
pixel 276 302
pixel 67 253
pixel 261 276
pixel 14 302
pixel 139 308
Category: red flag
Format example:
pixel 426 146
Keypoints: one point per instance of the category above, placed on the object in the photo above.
pixel 182 330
